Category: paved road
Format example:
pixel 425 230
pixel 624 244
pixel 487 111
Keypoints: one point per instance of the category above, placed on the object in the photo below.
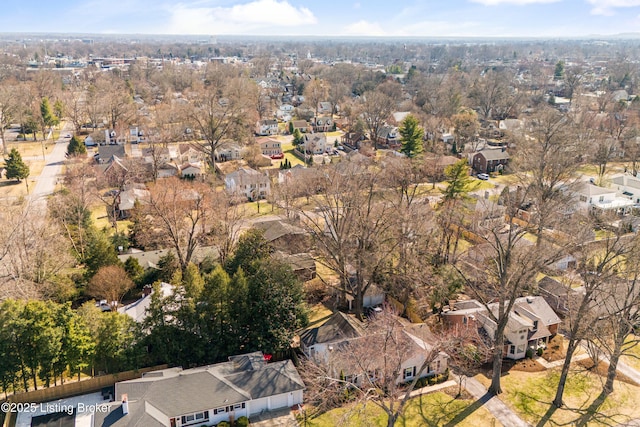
pixel 46 183
pixel 497 407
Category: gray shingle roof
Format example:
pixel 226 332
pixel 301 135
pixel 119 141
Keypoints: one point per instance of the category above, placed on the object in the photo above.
pixel 340 326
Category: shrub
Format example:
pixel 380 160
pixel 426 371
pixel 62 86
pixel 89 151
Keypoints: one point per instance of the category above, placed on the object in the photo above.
pixel 540 351
pixel 242 422
pixel 223 424
pixel 529 354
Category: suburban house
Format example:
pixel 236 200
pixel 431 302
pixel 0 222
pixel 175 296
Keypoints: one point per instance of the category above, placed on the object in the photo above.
pixel 137 310
pixel 352 140
pixel 127 199
pixel 106 153
pixel 388 137
pixel 166 170
pixel 558 295
pixel 266 127
pixel 284 236
pixel 594 198
pixel 246 385
pixel 156 154
pixel 315 143
pixel 325 107
pixel 270 147
pixel 531 324
pixel 301 125
pixel 249 183
pixel 188 154
pixel 150 259
pixel 228 152
pixel 627 186
pixel 489 160
pixel 303 264
pixel 192 170
pixel 320 342
pixel 322 124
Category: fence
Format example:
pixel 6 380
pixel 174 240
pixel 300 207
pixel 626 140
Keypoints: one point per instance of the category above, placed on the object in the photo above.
pixel 74 389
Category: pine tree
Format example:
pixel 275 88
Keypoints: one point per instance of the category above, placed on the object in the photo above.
pixel 75 148
pixel 411 137
pixel 16 168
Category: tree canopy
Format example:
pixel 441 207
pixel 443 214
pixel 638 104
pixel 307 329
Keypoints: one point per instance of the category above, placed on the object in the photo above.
pixel 16 168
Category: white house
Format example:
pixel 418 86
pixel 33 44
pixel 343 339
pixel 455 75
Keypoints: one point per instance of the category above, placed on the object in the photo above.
pixel 592 197
pixel 194 170
pixel 137 310
pixel 249 183
pixel 627 186
pixel 315 143
pixel 246 385
pixel 321 341
pixel 266 127
pixel 228 152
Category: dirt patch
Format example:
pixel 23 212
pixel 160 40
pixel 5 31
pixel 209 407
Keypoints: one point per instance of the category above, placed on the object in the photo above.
pixel 453 392
pixel 528 365
pixel 555 350
pixel 601 369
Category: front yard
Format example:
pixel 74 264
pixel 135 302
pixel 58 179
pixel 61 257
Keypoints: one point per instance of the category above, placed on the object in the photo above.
pixel 433 409
pixel 530 395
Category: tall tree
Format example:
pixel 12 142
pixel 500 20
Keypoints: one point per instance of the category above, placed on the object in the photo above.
pixel 15 167
pixel 48 118
pixel 110 282
pixel 76 147
pixel 411 136
pixel 376 108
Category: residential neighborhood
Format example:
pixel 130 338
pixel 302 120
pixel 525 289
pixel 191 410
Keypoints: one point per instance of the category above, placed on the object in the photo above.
pixel 265 232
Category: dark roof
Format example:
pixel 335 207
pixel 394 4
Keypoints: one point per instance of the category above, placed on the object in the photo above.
pixel 57 419
pixel 275 378
pixel 274 229
pixel 494 154
pixel 174 392
pixel 553 287
pixel 338 327
pixel 105 152
pixel 301 261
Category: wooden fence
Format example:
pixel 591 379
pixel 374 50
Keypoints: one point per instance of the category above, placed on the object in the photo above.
pixel 74 388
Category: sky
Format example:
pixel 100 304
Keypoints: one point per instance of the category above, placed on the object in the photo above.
pixel 329 18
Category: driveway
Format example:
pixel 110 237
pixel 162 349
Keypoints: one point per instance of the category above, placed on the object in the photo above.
pixel 497 407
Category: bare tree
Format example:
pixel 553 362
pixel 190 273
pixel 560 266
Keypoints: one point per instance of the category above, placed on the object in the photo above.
pixel 111 283
pixel 376 108
pixel 372 377
pixel 598 264
pixel 179 214
pixel 219 111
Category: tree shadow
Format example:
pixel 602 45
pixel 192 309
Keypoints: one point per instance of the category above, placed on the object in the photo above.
pixel 469 410
pixel 547 416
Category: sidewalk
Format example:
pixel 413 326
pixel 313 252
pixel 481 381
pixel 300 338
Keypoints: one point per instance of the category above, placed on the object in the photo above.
pixel 431 389
pixel 560 362
pixel 498 408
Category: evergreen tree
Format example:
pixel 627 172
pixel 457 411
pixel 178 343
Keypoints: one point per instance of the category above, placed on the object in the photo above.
pixel 47 117
pixel 134 270
pixel 459 182
pixel 291 128
pixel 100 253
pixel 16 168
pixel 76 148
pixel 297 137
pixel 411 137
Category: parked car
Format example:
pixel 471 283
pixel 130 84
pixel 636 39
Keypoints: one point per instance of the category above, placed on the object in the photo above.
pixel 483 176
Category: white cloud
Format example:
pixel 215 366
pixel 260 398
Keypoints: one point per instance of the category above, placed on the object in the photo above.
pixel 364 28
pixel 606 7
pixel 515 2
pixel 258 15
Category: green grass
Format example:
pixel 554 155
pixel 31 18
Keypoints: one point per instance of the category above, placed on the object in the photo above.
pixel 530 394
pixel 287 149
pixel 433 409
pixel 481 185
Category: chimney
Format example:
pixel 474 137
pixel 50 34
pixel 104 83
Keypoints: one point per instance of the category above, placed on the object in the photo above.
pixel 125 404
pixel 146 290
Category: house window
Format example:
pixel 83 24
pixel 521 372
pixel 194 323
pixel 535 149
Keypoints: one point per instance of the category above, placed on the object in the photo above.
pixel 512 349
pixel 219 411
pixel 601 199
pixel 521 348
pixel 198 417
pixel 238 406
pixel 464 320
pixel 535 325
pixel 409 372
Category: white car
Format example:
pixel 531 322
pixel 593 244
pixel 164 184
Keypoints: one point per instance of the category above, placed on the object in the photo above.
pixel 483 176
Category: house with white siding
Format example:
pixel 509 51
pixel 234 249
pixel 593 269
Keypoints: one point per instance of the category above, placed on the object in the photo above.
pixel 246 385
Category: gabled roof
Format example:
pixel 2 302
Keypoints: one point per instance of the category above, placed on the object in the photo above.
pixel 588 189
pixel 494 154
pixel 538 307
pixel 174 392
pixel 338 327
pixel 274 229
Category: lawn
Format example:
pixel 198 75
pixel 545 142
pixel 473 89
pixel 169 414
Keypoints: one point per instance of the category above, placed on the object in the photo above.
pixel 433 409
pixel 30 148
pixel 13 189
pixel 530 394
pixel 287 149
pixel 632 356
